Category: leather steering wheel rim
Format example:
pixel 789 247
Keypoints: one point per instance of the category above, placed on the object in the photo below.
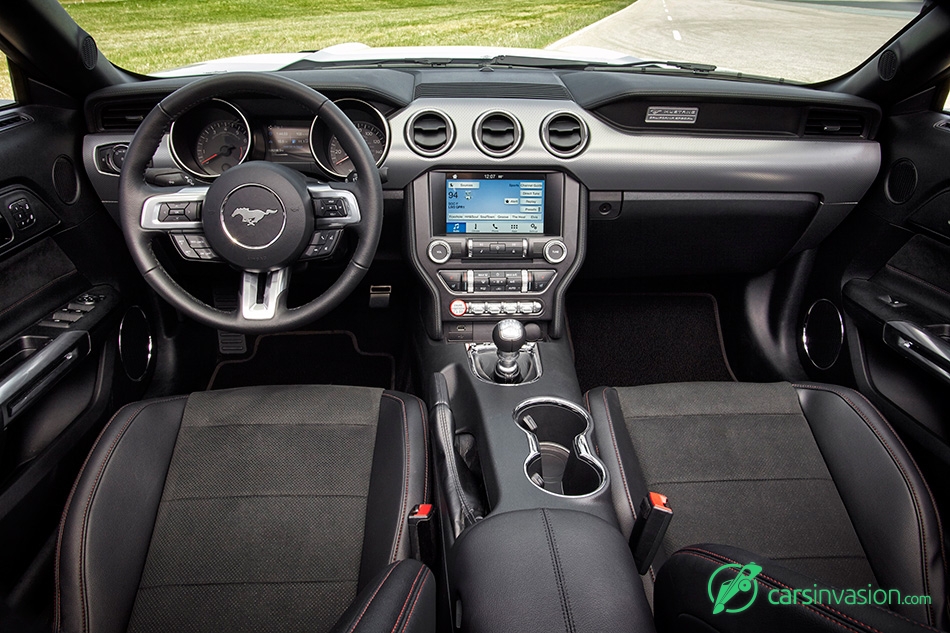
pixel 134 191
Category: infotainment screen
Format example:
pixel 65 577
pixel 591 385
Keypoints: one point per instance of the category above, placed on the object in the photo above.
pixel 494 203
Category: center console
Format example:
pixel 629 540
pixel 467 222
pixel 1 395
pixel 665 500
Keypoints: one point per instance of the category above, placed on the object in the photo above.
pixel 524 492
pixel 495 244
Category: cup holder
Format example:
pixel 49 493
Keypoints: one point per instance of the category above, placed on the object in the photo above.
pixel 560 460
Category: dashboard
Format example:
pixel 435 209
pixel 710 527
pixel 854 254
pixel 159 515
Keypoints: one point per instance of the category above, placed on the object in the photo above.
pixel 505 183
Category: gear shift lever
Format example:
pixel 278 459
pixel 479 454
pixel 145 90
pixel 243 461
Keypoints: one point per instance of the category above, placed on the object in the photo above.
pixel 508 336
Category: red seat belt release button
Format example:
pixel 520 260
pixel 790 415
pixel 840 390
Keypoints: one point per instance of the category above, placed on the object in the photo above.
pixel 649 529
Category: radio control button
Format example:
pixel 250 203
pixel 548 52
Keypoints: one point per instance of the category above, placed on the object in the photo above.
pixel 555 252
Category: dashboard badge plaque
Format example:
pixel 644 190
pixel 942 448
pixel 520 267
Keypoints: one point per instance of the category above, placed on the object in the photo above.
pixel 663 114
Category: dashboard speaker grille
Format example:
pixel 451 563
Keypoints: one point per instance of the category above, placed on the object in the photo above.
pixel 901 181
pixel 65 180
pixel 493 90
pixel 89 52
pixel 564 134
pixel 430 133
pixel 497 133
pixel 887 65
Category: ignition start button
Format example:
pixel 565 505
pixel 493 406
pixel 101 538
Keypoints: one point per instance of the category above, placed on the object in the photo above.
pixel 458 307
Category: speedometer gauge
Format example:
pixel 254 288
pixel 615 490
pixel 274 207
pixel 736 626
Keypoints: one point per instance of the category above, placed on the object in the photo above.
pixel 375 138
pixel 369 122
pixel 221 145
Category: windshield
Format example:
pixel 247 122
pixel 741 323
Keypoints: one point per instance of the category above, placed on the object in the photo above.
pixel 797 40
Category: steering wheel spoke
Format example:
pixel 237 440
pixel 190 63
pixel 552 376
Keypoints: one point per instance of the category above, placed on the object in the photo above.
pixel 174 211
pixel 263 294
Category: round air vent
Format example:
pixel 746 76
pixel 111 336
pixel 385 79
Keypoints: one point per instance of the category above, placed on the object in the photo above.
pixel 497 134
pixel 89 52
pixel 901 181
pixel 823 333
pixel 65 180
pixel 564 134
pixel 430 133
pixel 887 65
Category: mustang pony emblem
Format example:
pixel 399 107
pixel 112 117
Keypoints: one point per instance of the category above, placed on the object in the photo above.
pixel 252 216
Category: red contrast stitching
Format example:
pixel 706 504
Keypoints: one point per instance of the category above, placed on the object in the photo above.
pixel 372 597
pixel 931 615
pixel 409 595
pixel 405 488
pixel 36 292
pixel 425 445
pixel 405 624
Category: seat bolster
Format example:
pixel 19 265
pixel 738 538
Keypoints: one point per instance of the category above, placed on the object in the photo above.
pixel 682 602
pixel 401 599
pixel 616 451
pixel 398 482
pixel 890 505
pixel 109 516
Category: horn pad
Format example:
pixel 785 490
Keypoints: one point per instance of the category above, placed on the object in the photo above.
pixel 258 216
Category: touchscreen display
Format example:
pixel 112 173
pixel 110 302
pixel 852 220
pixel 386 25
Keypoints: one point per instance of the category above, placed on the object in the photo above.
pixel 288 142
pixel 494 203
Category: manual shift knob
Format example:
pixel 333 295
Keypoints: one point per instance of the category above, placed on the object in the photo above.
pixel 508 336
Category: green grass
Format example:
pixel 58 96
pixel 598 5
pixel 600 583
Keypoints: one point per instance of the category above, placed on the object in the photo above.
pixel 150 35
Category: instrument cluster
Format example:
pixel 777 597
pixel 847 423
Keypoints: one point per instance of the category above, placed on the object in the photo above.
pixel 218 135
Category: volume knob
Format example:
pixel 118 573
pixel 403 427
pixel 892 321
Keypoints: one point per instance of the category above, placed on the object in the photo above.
pixel 439 251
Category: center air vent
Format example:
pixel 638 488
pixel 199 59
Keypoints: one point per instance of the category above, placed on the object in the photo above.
pixel 430 133
pixel 832 123
pixel 124 116
pixel 497 134
pixel 564 134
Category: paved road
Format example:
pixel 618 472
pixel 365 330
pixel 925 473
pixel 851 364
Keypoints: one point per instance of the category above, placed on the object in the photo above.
pixel 803 40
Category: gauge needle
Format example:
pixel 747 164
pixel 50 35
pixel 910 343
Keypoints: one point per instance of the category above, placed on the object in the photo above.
pixel 209 159
pixel 342 160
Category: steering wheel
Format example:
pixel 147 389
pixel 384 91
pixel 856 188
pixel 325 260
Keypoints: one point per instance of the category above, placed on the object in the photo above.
pixel 260 217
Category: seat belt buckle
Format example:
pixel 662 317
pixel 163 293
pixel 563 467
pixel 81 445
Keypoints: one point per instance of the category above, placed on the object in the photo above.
pixel 649 529
pixel 422 532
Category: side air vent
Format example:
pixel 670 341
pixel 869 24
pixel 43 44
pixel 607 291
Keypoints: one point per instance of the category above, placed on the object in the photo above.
pixel 123 117
pixel 497 134
pixel 10 121
pixel 564 134
pixel 430 133
pixel 835 123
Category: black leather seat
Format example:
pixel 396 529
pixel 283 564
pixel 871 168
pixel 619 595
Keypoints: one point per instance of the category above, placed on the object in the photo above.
pixel 260 509
pixel 809 477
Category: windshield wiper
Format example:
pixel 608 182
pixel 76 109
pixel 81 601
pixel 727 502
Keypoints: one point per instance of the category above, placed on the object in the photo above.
pixel 696 67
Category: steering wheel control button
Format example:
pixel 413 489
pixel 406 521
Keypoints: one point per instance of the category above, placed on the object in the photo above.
pixel 330 207
pixel 184 247
pixel 439 251
pixel 458 308
pixel 555 252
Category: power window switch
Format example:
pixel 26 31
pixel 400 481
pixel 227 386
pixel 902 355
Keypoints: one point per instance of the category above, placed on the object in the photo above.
pixel 69 317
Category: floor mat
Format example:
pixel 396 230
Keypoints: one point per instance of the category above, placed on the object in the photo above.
pixel 622 340
pixel 307 358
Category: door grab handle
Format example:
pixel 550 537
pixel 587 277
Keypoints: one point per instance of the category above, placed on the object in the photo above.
pixel 924 348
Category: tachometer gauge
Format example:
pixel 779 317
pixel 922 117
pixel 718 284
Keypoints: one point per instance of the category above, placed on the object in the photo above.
pixel 375 138
pixel 221 145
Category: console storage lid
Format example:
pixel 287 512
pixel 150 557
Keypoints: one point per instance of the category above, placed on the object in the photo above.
pixel 547 570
